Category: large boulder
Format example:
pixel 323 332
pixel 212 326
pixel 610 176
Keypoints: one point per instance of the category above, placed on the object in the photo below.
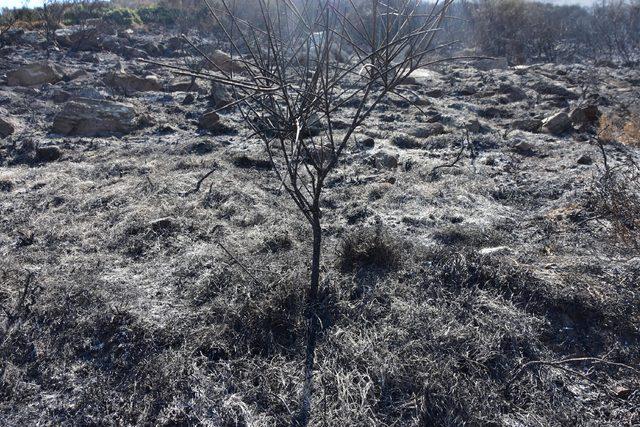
pixel 34 74
pixel 129 83
pixel 557 123
pixel 90 117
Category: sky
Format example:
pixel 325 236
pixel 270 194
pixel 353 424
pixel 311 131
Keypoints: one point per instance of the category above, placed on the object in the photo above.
pixel 33 3
pixel 19 3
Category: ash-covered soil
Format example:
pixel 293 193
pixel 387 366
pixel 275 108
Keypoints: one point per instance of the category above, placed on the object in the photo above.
pixel 130 299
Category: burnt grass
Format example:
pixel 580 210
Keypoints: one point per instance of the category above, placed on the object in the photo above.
pixel 129 299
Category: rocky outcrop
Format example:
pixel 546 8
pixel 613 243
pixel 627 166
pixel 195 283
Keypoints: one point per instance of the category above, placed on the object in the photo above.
pixel 89 117
pixel 36 73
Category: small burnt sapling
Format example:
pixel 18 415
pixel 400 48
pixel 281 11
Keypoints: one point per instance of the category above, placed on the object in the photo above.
pixel 294 82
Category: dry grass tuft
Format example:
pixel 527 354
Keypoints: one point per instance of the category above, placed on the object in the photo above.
pixel 370 248
pixel 615 128
pixel 616 198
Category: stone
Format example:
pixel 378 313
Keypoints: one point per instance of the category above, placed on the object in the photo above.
pixel 188 99
pixel 549 87
pixel 220 96
pixel 185 85
pixel 495 250
pixel 408 81
pixel 523 147
pixel 585 159
pixel 427 130
pixel 83 39
pixel 161 225
pixel 527 125
pixel 48 154
pixel 488 64
pixel 367 143
pixel 220 61
pixel 90 117
pixel 7 126
pixel 584 116
pixel 467 90
pixel 384 160
pixel 622 392
pixel 59 96
pixel 473 126
pixel 209 120
pixel 129 83
pixel 557 124
pixel 513 93
pixel 434 93
pixel 35 74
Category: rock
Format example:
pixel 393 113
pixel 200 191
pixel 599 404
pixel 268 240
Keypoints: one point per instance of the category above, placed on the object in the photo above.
pixel 209 120
pixel 79 38
pixel 494 250
pixel 189 99
pixel 585 159
pixel 185 85
pixel 513 93
pixel 427 130
pixel 219 96
pixel 384 160
pixel 133 53
pixel 584 116
pixel 175 44
pixel 34 74
pixel 548 87
pixel 408 81
pixel 200 148
pixel 59 96
pixel 405 141
pixel 7 126
pixel 90 93
pixel 473 126
pixel 367 143
pixel 129 83
pixel 151 48
pixel 6 186
pixel 527 125
pixel 77 74
pixel 434 93
pixel 220 61
pixel 162 225
pixel 48 154
pixel 488 64
pixel 622 392
pixel 557 123
pixel 523 147
pixel 89 117
pixel 467 90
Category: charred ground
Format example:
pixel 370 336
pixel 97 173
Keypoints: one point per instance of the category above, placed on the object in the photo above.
pixel 128 298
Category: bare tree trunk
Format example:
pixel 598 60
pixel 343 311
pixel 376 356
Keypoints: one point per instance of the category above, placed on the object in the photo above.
pixel 302 418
